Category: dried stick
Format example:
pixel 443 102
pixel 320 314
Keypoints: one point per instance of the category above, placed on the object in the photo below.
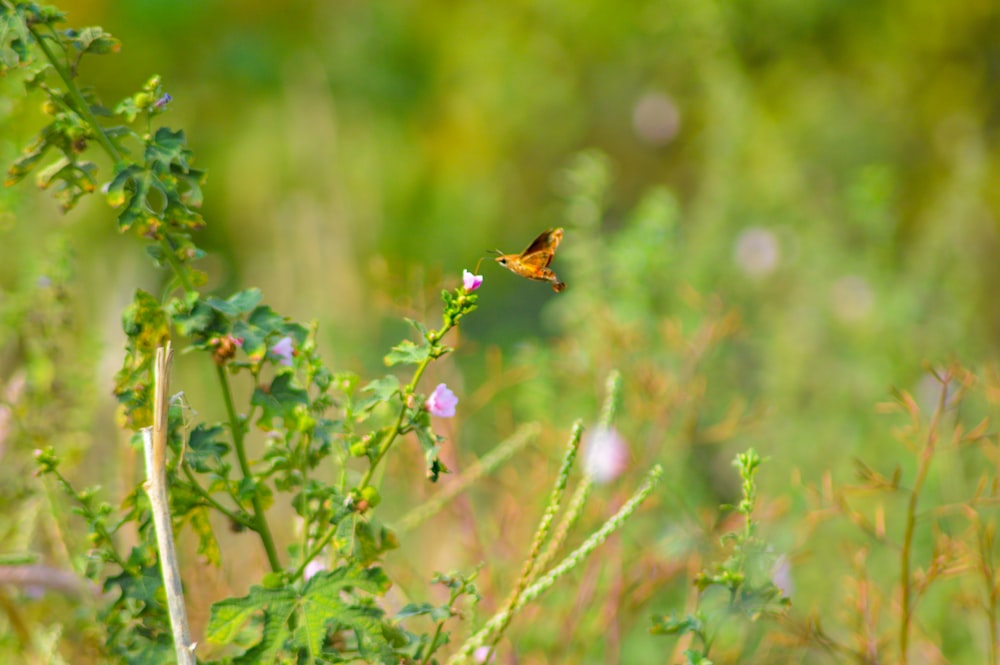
pixel 155 443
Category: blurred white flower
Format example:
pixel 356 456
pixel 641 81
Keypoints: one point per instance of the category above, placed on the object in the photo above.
pixel 852 298
pixel 656 119
pixel 757 252
pixel 481 653
pixel 605 454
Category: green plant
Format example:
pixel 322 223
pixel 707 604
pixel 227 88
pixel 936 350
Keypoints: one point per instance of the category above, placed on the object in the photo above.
pixel 745 575
pixel 320 599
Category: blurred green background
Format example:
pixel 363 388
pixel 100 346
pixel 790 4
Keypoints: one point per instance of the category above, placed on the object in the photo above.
pixel 775 211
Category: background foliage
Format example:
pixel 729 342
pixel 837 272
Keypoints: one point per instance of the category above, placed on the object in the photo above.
pixel 774 213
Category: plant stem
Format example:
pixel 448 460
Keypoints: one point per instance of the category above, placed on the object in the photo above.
pixel 486 464
pixel 906 614
pixel 567 564
pixel 259 521
pixel 212 501
pixel 391 435
pixel 541 535
pixel 82 108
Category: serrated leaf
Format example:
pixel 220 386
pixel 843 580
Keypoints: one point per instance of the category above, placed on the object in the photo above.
pixel 407 352
pixel 204 450
pixel 228 616
pixel 278 400
pixel 322 605
pixel 382 390
pixel 195 318
pixel 167 147
pixel 266 319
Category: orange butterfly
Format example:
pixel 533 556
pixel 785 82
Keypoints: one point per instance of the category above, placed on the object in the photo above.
pixel 533 262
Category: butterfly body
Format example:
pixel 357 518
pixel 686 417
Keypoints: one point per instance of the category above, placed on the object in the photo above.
pixel 533 262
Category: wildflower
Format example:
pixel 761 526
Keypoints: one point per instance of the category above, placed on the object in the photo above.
pixel 284 349
pixel 313 567
pixel 470 281
pixel 162 101
pixel 605 455
pixel 441 402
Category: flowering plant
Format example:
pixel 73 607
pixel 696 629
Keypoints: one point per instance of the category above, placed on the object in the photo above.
pixel 320 599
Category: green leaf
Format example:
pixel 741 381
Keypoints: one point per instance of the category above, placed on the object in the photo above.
pixel 325 603
pixel 26 163
pixel 407 352
pixel 116 195
pixel 145 322
pixel 204 450
pixel 382 390
pixel 424 609
pixel 371 540
pixel 194 317
pixel 14 35
pixel 208 546
pixel 266 319
pixel 136 208
pixel 95 40
pixel 237 304
pixel 418 326
pixel 429 442
pixel 669 625
pixel 278 400
pixel 167 147
pixel 143 586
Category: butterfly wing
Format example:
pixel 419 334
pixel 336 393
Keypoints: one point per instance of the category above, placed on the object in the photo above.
pixel 542 249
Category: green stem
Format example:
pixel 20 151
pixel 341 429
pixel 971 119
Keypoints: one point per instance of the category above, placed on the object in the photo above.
pixel 82 108
pixel 393 433
pixel 906 613
pixel 259 521
pixel 211 500
pixel 541 536
pixel 176 265
pixel 314 552
pixel 567 564
pixel 91 517
pixel 433 646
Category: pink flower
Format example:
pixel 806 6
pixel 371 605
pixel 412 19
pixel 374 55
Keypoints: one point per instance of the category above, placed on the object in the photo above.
pixel 313 567
pixel 283 349
pixel 605 455
pixel 441 402
pixel 481 653
pixel 471 282
pixel 781 575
